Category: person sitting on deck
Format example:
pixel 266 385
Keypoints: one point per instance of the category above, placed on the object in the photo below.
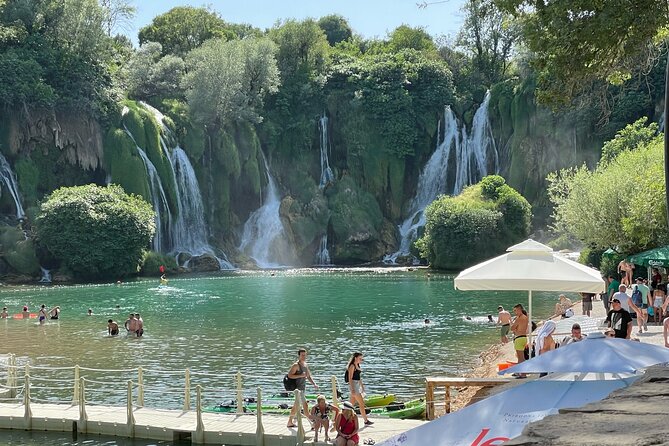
pixel 562 306
pixel 576 335
pixel 347 426
pixel 320 414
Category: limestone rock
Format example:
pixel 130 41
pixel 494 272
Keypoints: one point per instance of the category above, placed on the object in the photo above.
pixel 204 263
pixel 636 415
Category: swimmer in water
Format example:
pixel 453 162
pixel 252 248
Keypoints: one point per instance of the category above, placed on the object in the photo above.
pixel 90 312
pixel 112 328
pixel 427 321
pixel 163 280
pixel 26 313
pixel 42 314
pixel 490 319
pixel 469 318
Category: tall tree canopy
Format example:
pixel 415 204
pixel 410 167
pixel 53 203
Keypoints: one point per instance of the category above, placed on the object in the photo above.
pixel 336 28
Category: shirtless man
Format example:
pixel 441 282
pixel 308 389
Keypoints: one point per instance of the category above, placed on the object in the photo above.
pixel 504 319
pixel 42 314
pixel 112 328
pixel 625 270
pixel 131 323
pixel 139 325
pixel 519 329
pixel 4 314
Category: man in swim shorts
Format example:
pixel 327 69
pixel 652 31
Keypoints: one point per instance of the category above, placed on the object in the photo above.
pixel 504 319
pixel 139 325
pixel 42 314
pixel 131 323
pixel 112 328
pixel 519 329
pixel 4 314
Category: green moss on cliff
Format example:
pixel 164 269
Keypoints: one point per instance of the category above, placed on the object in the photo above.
pixel 124 165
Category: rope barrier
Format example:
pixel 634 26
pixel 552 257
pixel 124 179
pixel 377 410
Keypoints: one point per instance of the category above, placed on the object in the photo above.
pixel 104 383
pixel 108 370
pixel 35 378
pixel 38 367
pixel 175 392
pixel 164 372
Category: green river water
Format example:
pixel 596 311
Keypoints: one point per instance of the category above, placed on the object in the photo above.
pixel 253 323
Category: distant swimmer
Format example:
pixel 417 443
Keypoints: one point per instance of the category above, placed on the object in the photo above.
pixel 90 312
pixel 427 321
pixel 55 313
pixel 490 319
pixel 139 325
pixel 42 314
pixel 469 318
pixel 112 328
pixel 163 280
pixel 4 313
pixel 26 313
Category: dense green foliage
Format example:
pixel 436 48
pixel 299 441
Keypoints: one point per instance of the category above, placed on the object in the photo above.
pixel 477 224
pixel 620 204
pixel 97 232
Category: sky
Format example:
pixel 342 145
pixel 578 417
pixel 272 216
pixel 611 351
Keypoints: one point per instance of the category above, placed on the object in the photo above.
pixel 371 18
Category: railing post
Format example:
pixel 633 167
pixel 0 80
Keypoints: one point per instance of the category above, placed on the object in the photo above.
pixel 429 400
pixel 447 400
pixel 130 416
pixel 75 396
pixel 199 428
pixel 27 414
pixel 83 417
pixel 260 429
pixel 240 393
pixel 187 391
pixel 300 427
pixel 140 387
pixel 11 376
pixel 335 396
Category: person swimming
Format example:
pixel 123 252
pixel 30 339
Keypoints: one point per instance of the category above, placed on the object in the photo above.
pixel 490 319
pixel 427 321
pixel 112 328
pixel 163 280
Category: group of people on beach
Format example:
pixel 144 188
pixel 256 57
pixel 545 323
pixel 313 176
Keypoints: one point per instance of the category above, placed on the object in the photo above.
pixel 345 420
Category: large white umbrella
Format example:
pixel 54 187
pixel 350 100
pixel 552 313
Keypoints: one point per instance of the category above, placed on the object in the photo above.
pixel 530 266
pixel 595 354
pixel 504 415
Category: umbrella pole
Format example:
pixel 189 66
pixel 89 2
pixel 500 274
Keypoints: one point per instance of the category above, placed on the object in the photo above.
pixel 529 322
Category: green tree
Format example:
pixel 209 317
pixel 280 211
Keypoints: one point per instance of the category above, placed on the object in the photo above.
pixel 336 28
pixel 578 43
pixel 406 37
pixel 303 49
pixel 631 137
pixel 488 36
pixel 118 15
pixel 619 204
pixel 150 74
pixel 96 231
pixel 227 81
pixel 185 28
pixel 479 223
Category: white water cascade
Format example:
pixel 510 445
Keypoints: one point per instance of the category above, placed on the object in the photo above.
pixel 158 197
pixel 46 275
pixel 188 231
pixel 323 255
pixel 473 155
pixel 9 179
pixel 326 173
pixel 264 238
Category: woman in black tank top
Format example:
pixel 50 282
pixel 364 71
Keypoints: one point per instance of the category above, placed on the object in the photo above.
pixel 356 385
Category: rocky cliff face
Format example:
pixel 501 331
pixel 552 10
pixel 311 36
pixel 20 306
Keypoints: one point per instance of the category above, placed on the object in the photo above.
pixel 635 415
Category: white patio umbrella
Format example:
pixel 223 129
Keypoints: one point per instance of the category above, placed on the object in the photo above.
pixel 504 415
pixel 530 266
pixel 595 354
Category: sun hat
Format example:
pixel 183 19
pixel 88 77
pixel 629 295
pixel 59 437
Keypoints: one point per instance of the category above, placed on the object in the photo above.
pixel 348 405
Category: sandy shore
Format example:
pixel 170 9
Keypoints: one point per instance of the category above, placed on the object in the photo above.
pixel 500 353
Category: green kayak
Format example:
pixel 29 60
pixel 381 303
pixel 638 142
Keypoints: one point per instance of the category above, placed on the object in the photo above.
pixel 414 409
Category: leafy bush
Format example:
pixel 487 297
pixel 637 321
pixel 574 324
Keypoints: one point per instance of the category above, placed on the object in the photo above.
pixel 481 222
pixel 96 231
pixel 152 262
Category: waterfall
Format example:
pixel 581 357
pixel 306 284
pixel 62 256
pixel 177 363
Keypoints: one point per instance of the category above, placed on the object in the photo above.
pixel 323 255
pixel 46 275
pixel 9 179
pixel 326 173
pixel 263 237
pixel 188 231
pixel 473 155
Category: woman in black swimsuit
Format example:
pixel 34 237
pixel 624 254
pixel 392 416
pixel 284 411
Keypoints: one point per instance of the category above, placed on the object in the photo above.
pixel 356 385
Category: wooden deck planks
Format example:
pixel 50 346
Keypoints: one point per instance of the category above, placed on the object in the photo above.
pixel 229 429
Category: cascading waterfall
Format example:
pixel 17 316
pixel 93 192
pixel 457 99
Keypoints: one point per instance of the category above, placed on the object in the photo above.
pixel 188 231
pixel 46 275
pixel 473 155
pixel 158 198
pixel 323 255
pixel 326 173
pixel 9 179
pixel 263 237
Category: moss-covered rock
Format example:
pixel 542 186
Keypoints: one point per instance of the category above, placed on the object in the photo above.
pixel 18 251
pixel 124 165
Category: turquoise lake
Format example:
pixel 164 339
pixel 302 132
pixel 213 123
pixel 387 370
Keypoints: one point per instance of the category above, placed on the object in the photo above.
pixel 253 323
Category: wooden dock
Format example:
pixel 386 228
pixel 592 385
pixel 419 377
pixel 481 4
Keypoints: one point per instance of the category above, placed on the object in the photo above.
pixel 175 425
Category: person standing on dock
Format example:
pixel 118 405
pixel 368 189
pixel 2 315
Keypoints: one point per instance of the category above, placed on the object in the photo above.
pixel 299 371
pixel 504 319
pixel 355 384
pixel 519 329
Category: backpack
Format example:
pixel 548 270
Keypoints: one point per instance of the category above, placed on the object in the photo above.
pixel 289 384
pixel 637 297
pixel 346 376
